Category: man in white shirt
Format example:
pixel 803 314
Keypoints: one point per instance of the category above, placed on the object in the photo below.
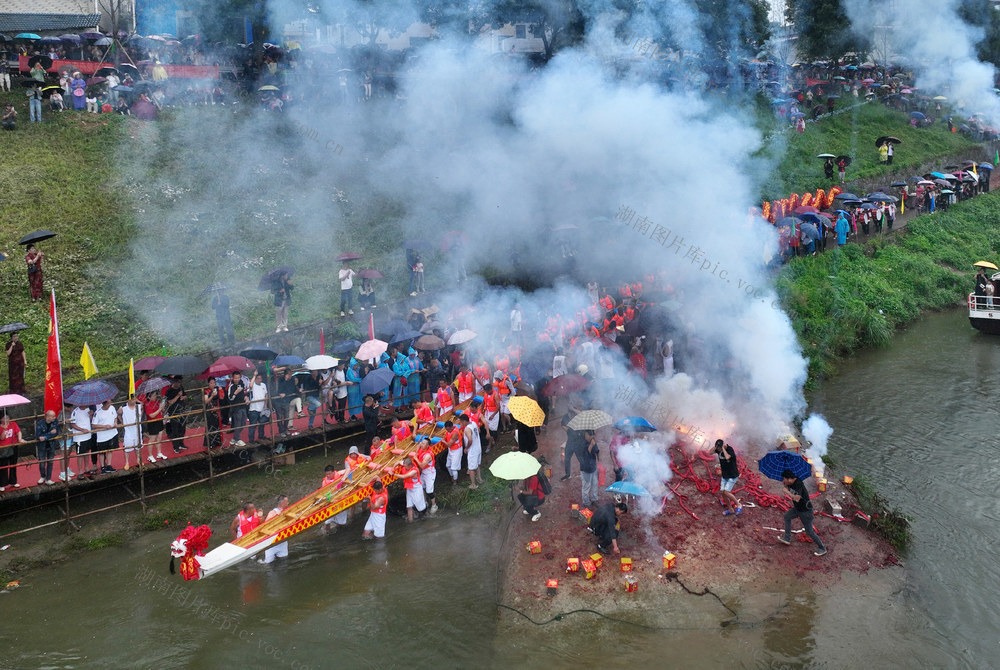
pixel 346 289
pixel 79 422
pixel 258 404
pixel 105 422
pixel 339 388
pixel 129 418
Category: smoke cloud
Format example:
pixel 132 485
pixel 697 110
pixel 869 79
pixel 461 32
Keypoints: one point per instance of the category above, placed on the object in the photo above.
pixel 532 165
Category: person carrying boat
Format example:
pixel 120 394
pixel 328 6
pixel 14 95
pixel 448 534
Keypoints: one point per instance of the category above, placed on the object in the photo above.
pixel 354 459
pixel 280 551
pixel 375 526
pixel 245 521
pixel 377 447
pixel 466 383
pixel 453 443
pixel 410 474
pixel 444 398
pixel 400 431
pixel 473 450
pixel 331 476
pixel 428 471
pixel 422 416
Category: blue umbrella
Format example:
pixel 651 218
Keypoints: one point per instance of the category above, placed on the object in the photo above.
pixel 940 175
pixel 628 488
pixel 776 462
pixel 285 361
pixel 345 347
pixel 393 327
pixel 404 336
pixel 377 380
pixel 27 36
pixel 812 218
pixel 635 424
pixel 985 166
pixel 92 392
pixel 917 115
pixel 809 231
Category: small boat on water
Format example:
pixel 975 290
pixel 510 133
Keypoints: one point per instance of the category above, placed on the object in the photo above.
pixel 983 316
pixel 323 503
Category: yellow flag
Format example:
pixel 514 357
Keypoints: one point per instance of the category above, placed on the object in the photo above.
pixel 87 361
pixel 131 377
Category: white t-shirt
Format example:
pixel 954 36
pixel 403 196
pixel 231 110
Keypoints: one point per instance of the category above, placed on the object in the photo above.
pixel 339 377
pixel 515 320
pixel 105 417
pixel 130 420
pixel 258 394
pixel 346 279
pixel 80 417
pixel 559 366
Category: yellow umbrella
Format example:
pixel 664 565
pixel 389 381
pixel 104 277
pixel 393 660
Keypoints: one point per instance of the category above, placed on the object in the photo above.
pixel 292 45
pixel 526 410
pixel 985 264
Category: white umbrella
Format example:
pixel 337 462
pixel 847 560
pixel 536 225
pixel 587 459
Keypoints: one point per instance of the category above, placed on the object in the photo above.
pixel 462 336
pixel 321 362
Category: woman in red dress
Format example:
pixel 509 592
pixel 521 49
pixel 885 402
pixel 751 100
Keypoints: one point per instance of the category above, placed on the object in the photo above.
pixel 16 362
pixel 34 261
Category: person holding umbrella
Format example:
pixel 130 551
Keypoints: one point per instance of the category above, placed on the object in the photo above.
pixel 35 99
pixel 33 259
pixel 282 299
pixel 10 437
pixel 842 168
pixel 532 496
pixel 16 362
pixel 828 168
pixel 802 508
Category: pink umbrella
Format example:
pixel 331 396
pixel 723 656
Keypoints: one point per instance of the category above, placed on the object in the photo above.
pixel 371 349
pixel 11 399
pixel 806 209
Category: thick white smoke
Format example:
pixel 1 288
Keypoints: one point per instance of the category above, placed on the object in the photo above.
pixel 817 433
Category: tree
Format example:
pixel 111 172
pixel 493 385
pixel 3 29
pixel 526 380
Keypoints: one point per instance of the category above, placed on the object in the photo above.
pixel 823 28
pixel 983 15
pixel 733 27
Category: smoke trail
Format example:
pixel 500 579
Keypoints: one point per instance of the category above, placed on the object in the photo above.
pixel 817 433
pixel 647 461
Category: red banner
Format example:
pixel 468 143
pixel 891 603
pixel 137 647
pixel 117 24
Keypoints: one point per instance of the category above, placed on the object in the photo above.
pixel 53 364
pixel 90 67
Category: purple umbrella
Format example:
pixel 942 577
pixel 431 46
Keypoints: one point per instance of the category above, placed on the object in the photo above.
pixel 92 392
pixel 91 36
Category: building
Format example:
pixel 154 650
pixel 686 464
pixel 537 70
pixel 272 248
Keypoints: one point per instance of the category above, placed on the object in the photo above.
pixel 48 17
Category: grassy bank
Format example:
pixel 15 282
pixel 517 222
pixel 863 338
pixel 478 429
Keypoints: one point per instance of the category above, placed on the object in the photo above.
pixel 857 296
pixel 59 175
pixel 853 133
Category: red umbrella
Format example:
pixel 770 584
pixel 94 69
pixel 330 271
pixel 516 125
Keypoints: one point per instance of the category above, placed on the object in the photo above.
pixel 348 257
pixel 565 384
pixel 148 363
pixel 370 274
pixel 227 365
pixel 806 209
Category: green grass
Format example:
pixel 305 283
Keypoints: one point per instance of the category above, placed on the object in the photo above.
pixel 890 523
pixel 853 133
pixel 59 175
pixel 857 296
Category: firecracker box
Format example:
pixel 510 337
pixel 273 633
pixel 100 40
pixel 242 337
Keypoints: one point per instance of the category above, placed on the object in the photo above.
pixel 548 473
pixel 585 514
pixel 589 569
pixel 631 584
pixel 597 559
pixel 626 565
pixel 574 507
pixel 535 547
pixel 669 560
pixel 848 480
pixel 572 565
pixel 718 470
pixel 552 585
pixel 821 485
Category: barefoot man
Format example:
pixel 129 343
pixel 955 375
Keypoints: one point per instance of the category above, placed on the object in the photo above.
pixel 473 450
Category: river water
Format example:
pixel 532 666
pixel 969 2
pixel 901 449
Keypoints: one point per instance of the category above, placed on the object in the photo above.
pixel 916 418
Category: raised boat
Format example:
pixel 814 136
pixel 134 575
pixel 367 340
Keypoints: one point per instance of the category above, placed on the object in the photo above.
pixel 323 503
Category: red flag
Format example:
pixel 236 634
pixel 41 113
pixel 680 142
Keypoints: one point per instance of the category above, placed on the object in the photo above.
pixel 322 342
pixel 371 326
pixel 53 364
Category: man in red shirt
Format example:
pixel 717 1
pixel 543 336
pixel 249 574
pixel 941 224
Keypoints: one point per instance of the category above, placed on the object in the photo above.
pixel 531 496
pixel 375 526
pixel 245 521
pixel 10 436
pixel 453 443
pixel 410 474
pixel 466 383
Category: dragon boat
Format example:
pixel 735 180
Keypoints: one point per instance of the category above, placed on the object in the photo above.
pixel 311 510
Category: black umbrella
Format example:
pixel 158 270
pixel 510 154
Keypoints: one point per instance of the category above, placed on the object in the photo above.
pixel 882 197
pixel 845 196
pixel 259 353
pixel 143 86
pixel 14 327
pixel 809 231
pixel 898 184
pixel 272 276
pixel 105 71
pixel 846 159
pixel 37 236
pixel 404 336
pixel 887 138
pixel 182 365
pixel 49 90
pixel 345 347
pixel 44 60
pixel 216 287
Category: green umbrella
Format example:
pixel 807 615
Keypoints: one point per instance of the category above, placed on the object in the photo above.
pixel 515 465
